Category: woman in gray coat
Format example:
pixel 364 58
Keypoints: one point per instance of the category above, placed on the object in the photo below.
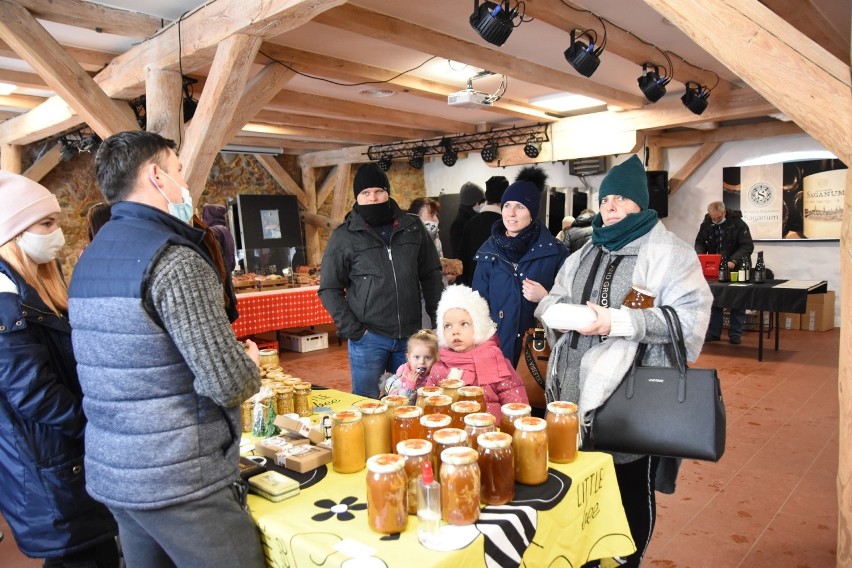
pixel 629 246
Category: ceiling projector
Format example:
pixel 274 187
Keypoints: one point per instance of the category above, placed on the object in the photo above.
pixel 469 98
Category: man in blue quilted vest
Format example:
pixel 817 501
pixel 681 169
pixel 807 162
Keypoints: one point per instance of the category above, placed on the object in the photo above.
pixel 163 376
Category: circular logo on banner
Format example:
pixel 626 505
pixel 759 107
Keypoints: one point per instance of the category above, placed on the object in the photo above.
pixel 761 194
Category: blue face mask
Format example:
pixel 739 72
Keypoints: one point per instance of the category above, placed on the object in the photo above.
pixel 182 210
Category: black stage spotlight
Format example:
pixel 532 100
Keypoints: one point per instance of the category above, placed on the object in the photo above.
pixel 493 21
pixel 489 153
pixel 385 162
pixel 653 86
pixel 450 156
pixel 695 97
pixel 584 58
pixel 533 147
pixel 416 159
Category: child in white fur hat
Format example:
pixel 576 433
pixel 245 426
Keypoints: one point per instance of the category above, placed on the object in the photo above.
pixel 468 342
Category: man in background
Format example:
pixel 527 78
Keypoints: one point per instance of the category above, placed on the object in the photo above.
pixel 471 197
pixel 478 229
pixel 724 232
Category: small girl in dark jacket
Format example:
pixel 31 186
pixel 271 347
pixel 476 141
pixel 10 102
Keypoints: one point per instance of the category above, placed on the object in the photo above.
pixel 42 483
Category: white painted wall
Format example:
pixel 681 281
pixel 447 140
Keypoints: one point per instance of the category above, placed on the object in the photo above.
pixel 801 260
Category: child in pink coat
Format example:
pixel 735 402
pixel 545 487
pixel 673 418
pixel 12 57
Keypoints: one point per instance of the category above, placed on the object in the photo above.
pixel 422 365
pixel 468 342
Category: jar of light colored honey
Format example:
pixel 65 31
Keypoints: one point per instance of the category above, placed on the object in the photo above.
pixel 562 431
pixel 348 451
pixel 496 468
pixel 393 401
pixel 284 400
pixel 478 423
pixel 437 404
pixel 460 488
pixel 302 404
pixel 530 448
pixel 430 423
pixel 387 494
pixel 424 392
pixel 475 393
pixel 377 427
pixel 446 438
pixel 268 358
pixel 450 387
pixel 460 409
pixel 405 424
pixel 511 412
pixel 416 452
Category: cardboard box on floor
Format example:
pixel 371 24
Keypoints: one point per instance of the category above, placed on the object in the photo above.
pixel 790 321
pixel 819 315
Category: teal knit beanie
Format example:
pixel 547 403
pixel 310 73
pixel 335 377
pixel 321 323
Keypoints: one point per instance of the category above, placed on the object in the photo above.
pixel 627 179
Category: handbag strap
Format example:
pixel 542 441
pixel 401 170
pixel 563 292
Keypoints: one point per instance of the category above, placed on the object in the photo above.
pixel 676 334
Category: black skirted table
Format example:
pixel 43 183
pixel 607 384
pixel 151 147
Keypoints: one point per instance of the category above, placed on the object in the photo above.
pixel 766 297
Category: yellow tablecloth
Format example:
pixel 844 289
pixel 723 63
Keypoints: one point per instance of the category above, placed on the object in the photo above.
pixel 573 518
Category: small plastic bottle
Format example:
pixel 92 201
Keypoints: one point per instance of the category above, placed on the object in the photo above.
pixel 428 505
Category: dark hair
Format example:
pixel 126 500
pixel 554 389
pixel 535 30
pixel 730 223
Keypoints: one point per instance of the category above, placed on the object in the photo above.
pixel 120 157
pixel 96 217
pixel 432 204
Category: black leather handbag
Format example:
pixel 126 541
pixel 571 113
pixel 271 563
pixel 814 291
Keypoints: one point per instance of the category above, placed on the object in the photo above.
pixel 663 411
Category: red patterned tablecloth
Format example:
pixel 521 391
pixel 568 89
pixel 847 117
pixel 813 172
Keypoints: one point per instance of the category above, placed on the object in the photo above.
pixel 279 309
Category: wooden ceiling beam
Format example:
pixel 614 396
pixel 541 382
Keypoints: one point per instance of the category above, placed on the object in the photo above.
pixel 260 90
pixel 353 72
pixel 621 43
pixel 292 119
pixel 200 33
pixel 210 127
pixel 45 163
pixel 805 16
pixel 25 102
pixel 88 59
pixel 768 129
pixel 771 55
pixel 53 64
pixel 291 145
pixel 318 134
pixel 695 161
pixel 280 175
pixel 409 35
pixel 351 155
pixel 95 17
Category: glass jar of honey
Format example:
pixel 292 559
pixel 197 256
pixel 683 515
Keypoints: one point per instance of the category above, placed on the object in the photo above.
pixel 387 494
pixel 437 404
pixel 246 414
pixel 302 404
pixel 460 486
pixel 284 399
pixel 475 393
pixel 478 423
pixel 443 439
pixel 268 358
pixel 405 424
pixel 416 452
pixel 529 445
pixel 450 387
pixel 511 412
pixel 377 427
pixel 562 431
pixel 348 451
pixel 638 298
pixel 496 468
pixel 424 392
pixel 393 401
pixel 293 381
pixel 433 422
pixel 460 409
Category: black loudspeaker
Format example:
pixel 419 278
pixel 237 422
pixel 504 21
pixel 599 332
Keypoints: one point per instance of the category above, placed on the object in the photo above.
pixel 658 192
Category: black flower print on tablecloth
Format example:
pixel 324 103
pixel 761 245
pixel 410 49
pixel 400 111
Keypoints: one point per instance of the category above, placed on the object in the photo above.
pixel 343 510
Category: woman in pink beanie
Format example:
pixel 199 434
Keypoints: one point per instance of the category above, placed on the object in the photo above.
pixel 42 483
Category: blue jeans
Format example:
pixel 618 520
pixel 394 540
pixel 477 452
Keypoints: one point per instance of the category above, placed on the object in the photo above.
pixel 736 326
pixel 369 358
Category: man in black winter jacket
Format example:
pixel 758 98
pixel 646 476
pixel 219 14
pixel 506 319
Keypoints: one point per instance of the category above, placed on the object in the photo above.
pixel 373 270
pixel 724 232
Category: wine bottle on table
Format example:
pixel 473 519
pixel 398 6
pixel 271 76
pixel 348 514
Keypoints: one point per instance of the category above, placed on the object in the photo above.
pixel 759 269
pixel 723 270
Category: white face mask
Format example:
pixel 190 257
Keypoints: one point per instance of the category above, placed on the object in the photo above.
pixel 183 210
pixel 431 228
pixel 41 248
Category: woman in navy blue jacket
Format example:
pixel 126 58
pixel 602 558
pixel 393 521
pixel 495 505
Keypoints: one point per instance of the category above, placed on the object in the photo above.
pixel 42 483
pixel 516 266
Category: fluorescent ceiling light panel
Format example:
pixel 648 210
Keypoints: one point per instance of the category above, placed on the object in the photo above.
pixel 7 89
pixel 246 149
pixel 565 102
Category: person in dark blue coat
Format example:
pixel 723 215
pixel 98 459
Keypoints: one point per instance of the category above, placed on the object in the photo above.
pixel 516 266
pixel 42 482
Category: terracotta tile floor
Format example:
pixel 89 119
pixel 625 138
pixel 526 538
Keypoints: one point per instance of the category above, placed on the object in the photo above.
pixel 770 502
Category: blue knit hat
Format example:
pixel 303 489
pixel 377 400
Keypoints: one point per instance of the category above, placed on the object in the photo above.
pixel 527 189
pixel 627 179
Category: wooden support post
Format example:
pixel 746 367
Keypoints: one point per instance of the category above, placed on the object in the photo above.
pixel 341 190
pixel 326 187
pixel 10 158
pixel 319 221
pixel 280 175
pixel 164 103
pixel 655 158
pixel 46 162
pixel 312 244
pixel 693 163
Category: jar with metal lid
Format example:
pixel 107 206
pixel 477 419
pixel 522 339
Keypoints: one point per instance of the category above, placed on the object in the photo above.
pixel 405 424
pixel 496 468
pixel 387 494
pixel 460 486
pixel 450 387
pixel 246 414
pixel 268 358
pixel 460 409
pixel 437 404
pixel 284 399
pixel 529 444
pixel 293 381
pixel 473 392
pixel 393 401
pixel 302 404
pixel 430 423
pixel 562 431
pixel 446 438
pixel 424 392
pixel 348 451
pixel 511 412
pixel 377 427
pixel 478 423
pixel 416 452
